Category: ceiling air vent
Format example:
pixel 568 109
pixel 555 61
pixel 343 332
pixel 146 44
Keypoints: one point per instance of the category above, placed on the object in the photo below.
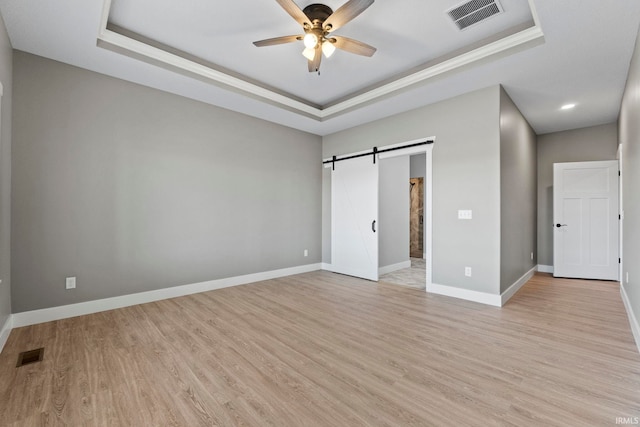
pixel 470 13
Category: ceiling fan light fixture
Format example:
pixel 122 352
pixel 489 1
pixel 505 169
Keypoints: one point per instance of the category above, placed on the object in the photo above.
pixel 328 48
pixel 309 53
pixel 318 21
pixel 310 40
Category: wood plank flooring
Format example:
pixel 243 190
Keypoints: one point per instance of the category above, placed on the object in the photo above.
pixel 414 276
pixel 321 349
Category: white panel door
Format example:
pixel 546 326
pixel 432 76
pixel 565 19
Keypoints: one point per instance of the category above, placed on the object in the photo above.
pixel 354 216
pixel 585 212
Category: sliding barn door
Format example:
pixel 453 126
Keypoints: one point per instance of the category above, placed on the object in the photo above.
pixel 585 212
pixel 354 218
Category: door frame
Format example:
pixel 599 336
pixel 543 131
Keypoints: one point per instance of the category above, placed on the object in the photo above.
pixel 428 190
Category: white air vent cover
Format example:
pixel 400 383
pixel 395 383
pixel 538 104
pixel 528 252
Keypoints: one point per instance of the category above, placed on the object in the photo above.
pixel 470 13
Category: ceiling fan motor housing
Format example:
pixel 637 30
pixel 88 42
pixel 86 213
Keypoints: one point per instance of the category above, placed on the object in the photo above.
pixel 317 13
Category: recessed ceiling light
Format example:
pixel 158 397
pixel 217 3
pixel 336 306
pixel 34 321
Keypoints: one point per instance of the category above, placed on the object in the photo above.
pixel 567 106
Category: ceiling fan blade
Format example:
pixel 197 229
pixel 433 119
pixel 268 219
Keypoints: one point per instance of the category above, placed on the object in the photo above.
pixel 277 40
pixel 346 13
pixel 354 46
pixel 295 12
pixel 314 65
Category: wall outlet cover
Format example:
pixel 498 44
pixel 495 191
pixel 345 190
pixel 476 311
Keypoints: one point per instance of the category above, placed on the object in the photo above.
pixel 467 271
pixel 70 283
pixel 465 214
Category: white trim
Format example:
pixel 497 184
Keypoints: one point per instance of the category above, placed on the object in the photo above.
pixel 620 213
pixel 465 294
pixel 138 49
pixel 545 268
pixel 511 291
pixel 428 211
pixel 633 321
pixel 326 266
pixel 5 331
pixel 62 312
pixel 154 54
pixel 534 13
pixel 394 267
pixel 104 18
pixel 521 38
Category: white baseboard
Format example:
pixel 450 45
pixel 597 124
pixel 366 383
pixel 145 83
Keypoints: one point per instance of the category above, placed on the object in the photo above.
pixel 326 266
pixel 633 321
pixel 545 268
pixel 511 290
pixel 394 267
pixel 5 331
pixel 62 312
pixel 466 294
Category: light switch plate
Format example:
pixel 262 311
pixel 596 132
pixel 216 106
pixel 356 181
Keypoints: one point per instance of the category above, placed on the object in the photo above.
pixel 465 214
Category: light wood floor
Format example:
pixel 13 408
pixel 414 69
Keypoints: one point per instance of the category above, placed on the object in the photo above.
pixel 414 276
pixel 330 350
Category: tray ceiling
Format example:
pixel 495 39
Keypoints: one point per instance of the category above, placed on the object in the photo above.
pixel 545 53
pixel 194 37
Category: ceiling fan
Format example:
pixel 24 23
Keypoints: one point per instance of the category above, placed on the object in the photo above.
pixel 318 21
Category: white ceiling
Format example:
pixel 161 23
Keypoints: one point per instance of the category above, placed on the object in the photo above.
pixel 583 58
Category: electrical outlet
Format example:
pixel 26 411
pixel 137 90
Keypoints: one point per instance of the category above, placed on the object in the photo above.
pixel 627 277
pixel 465 214
pixel 70 283
pixel 306 252
pixel 467 271
pixel 531 256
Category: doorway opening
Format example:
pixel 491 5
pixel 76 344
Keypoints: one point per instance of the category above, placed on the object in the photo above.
pixel 414 273
pixel 360 211
pixel 416 217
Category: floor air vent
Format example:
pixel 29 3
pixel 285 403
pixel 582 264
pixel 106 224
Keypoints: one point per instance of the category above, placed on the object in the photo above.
pixel 31 356
pixel 472 12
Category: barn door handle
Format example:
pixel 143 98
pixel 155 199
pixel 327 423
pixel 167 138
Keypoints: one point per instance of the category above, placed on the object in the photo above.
pixel 561 225
pixel 373 226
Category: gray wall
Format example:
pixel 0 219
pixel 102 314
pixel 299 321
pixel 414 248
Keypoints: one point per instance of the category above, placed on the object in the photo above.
pixel 466 175
pixel 393 211
pixel 629 127
pixel 579 145
pixel 517 193
pixel 132 189
pixel 6 69
pixel 417 166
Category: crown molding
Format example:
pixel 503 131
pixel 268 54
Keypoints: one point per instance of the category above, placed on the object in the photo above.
pixel 137 49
